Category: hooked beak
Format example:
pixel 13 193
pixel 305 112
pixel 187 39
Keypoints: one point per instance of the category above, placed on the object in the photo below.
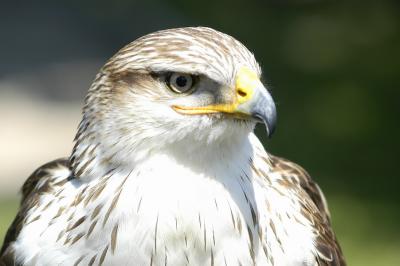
pixel 251 100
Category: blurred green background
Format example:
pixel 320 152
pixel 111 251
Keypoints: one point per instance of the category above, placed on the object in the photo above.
pixel 333 68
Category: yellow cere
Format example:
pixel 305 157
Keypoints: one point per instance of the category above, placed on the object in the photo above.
pixel 246 81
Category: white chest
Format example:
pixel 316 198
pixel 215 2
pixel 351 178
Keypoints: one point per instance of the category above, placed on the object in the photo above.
pixel 164 213
pixel 182 217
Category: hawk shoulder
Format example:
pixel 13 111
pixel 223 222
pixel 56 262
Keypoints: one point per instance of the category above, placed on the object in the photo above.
pixel 313 207
pixel 40 182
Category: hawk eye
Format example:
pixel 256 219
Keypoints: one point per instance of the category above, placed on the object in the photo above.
pixel 180 83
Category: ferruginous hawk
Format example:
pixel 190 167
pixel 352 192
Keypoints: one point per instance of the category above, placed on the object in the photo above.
pixel 166 169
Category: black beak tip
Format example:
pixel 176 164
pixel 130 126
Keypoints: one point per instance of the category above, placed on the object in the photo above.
pixel 269 123
pixel 270 127
pixel 265 111
pixel 270 130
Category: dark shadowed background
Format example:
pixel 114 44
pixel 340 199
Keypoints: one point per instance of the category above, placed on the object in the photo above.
pixel 333 67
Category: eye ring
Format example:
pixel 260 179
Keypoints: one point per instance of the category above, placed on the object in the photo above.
pixel 180 82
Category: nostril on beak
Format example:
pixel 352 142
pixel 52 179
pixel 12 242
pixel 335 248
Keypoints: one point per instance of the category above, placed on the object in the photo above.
pixel 241 93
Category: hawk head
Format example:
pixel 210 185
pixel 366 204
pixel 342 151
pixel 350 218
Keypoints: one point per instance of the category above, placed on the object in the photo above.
pixel 184 87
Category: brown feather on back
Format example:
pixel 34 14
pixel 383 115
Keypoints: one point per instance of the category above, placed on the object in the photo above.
pixel 314 208
pixel 31 192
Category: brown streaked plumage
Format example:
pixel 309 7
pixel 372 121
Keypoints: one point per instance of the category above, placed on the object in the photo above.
pixel 296 178
pixel 31 192
pixel 167 174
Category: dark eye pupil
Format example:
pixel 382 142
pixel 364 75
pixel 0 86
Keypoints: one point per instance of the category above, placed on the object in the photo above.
pixel 181 81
